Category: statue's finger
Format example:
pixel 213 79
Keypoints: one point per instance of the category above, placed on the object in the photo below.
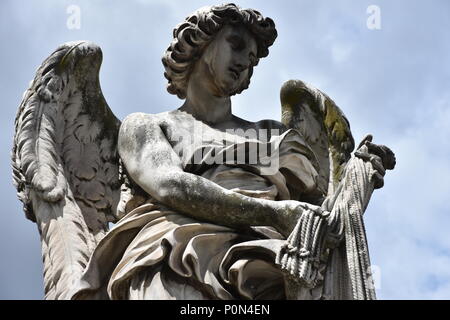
pixel 390 160
pixel 377 149
pixel 368 137
pixel 378 180
pixel 377 164
pixel 385 153
pixel 362 154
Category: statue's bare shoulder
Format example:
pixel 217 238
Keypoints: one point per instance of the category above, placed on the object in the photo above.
pixel 136 130
pixel 141 138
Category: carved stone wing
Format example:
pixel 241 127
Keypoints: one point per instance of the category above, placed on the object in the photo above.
pixel 65 161
pixel 344 271
pixel 323 126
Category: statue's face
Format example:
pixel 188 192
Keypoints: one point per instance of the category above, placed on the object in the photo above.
pixel 229 58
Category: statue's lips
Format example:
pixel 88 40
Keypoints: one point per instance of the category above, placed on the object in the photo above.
pixel 234 73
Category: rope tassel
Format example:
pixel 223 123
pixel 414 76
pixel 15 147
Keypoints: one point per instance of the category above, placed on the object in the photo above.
pixel 300 255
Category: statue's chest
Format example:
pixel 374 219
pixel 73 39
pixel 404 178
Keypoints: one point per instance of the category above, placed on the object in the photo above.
pixel 187 137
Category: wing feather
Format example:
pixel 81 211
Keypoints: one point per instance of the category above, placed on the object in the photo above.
pixel 322 124
pixel 65 162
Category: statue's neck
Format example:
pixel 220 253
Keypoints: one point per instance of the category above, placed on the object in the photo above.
pixel 212 111
pixel 203 102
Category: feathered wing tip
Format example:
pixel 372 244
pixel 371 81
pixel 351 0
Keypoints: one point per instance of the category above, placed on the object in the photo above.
pixel 65 161
pixel 327 131
pixel 323 125
pixel 29 138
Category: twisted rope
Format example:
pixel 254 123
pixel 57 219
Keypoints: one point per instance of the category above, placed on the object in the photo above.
pixel 300 257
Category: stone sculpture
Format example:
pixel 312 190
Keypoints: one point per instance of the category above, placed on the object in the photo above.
pixel 206 205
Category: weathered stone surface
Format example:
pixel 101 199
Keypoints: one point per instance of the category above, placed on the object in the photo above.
pixel 206 205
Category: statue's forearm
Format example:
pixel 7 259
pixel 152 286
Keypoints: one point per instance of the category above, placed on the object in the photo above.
pixel 156 168
pixel 205 200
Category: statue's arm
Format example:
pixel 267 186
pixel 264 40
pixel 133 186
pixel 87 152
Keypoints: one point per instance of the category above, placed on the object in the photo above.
pixel 156 168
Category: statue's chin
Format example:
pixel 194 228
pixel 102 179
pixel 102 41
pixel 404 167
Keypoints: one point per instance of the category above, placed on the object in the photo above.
pixel 232 88
pixel 225 90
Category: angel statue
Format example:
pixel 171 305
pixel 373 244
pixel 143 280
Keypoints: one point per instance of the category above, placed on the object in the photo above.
pixel 203 204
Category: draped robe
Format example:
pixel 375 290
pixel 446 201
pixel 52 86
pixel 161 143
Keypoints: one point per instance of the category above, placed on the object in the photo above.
pixel 155 252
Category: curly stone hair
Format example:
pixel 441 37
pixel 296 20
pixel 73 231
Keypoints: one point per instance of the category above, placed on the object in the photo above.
pixel 191 37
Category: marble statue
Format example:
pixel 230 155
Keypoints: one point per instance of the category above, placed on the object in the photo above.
pixel 204 205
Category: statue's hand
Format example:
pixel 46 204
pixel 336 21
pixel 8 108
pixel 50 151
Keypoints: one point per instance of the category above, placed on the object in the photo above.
pixel 291 212
pixel 381 157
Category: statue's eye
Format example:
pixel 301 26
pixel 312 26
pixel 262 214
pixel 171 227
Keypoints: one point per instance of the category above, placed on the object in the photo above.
pixel 236 42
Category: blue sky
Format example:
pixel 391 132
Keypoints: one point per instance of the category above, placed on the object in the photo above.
pixel 393 82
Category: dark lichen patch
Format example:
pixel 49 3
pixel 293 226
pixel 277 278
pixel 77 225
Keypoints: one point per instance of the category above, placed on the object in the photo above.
pixel 297 98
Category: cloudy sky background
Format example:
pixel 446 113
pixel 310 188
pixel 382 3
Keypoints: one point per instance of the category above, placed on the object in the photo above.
pixel 393 83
